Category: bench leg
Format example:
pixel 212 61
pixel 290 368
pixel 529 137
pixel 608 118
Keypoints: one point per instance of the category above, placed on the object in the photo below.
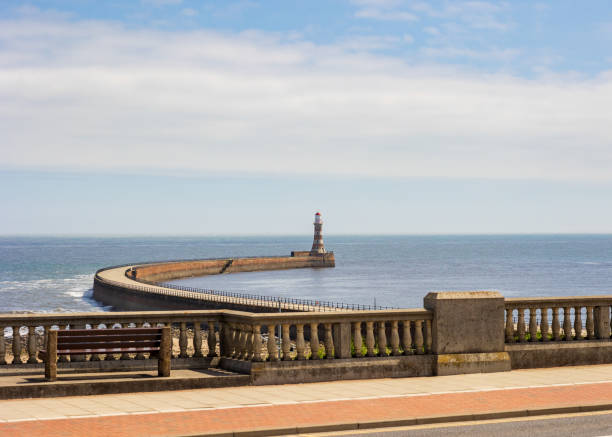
pixel 165 353
pixel 51 356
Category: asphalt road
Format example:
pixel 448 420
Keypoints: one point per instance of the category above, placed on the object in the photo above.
pixel 587 425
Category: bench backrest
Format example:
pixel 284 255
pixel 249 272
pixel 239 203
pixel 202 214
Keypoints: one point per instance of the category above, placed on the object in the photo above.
pixel 99 339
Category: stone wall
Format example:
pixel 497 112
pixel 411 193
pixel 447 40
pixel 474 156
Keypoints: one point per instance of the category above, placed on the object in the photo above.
pixel 184 269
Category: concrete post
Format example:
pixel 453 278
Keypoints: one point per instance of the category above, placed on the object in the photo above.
pixel 51 357
pixel 468 332
pixel 165 352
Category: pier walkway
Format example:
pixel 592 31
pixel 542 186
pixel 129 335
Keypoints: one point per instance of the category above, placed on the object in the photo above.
pixel 316 407
pixel 116 276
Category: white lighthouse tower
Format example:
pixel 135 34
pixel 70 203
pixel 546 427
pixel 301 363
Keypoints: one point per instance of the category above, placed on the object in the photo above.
pixel 318 248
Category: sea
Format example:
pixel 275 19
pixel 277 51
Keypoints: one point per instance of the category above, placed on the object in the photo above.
pixel 55 274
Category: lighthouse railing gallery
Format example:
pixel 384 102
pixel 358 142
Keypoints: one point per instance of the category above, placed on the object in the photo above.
pixel 235 334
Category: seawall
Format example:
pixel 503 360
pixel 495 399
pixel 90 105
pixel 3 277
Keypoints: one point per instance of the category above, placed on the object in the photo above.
pixel 133 287
pixel 184 269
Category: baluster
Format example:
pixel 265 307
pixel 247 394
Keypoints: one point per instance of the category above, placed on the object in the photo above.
pixel 244 342
pixel 183 340
pixel 125 355
pixel 286 341
pixel 272 349
pixel 370 339
pixel 257 343
pixel 63 358
pixel 544 323
pixel 300 344
pixel 509 326
pixel 428 337
pixel 407 338
pixel 32 349
pixel 533 324
pixel 16 345
pixel 395 341
pixel 556 326
pixel 521 324
pixel 2 347
pixel 230 345
pixel 237 340
pixel 197 339
pixel 250 350
pixel 418 337
pixel 567 323
pixel 357 340
pixel 329 341
pixel 242 352
pixel 590 325
pixel 578 322
pixel 314 341
pixel 211 339
pixel 231 340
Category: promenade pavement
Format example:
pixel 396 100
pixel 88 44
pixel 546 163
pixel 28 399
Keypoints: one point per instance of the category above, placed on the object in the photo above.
pixel 307 408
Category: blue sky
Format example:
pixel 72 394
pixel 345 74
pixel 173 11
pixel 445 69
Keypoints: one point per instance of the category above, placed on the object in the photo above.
pixel 389 116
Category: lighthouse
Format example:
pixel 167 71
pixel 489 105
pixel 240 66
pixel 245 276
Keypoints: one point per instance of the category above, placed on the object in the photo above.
pixel 318 248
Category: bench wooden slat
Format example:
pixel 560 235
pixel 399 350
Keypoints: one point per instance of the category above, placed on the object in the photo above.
pixel 119 337
pixel 108 344
pixel 85 351
pixel 72 332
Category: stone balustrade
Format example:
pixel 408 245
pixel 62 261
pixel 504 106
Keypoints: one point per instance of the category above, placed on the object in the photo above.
pixel 234 334
pixel 557 319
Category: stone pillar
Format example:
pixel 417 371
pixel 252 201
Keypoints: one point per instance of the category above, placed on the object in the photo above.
pixel 342 340
pixel 603 321
pixel 357 340
pixel 468 334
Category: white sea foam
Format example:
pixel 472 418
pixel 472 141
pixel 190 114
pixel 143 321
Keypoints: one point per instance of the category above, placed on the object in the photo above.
pixel 73 293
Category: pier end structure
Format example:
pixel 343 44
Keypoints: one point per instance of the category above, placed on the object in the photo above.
pixel 130 277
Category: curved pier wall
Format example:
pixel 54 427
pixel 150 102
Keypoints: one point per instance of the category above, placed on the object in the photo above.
pixel 186 269
pixel 119 287
pixel 123 298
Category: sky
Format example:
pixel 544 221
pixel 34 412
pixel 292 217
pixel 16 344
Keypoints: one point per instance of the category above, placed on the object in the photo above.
pixel 245 117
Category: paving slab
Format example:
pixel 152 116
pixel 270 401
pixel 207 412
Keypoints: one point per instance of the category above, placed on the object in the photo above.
pixel 308 406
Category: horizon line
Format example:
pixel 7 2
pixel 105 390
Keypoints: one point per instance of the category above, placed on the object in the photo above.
pixel 164 235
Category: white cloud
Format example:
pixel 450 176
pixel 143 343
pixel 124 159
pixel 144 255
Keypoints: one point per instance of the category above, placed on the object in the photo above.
pixel 189 12
pixel 474 14
pixel 504 55
pixel 368 43
pixel 161 2
pixel 377 14
pixel 93 95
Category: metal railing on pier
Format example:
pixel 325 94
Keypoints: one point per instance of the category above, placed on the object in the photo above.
pixel 302 304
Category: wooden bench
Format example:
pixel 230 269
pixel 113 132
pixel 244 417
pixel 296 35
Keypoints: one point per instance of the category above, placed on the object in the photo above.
pixel 156 341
